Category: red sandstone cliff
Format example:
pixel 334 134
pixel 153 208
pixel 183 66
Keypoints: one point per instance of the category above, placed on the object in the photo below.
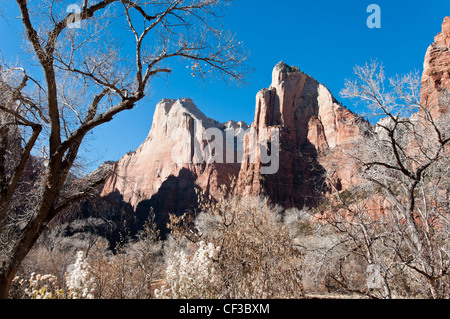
pixel 314 133
pixel 171 164
pixel 436 71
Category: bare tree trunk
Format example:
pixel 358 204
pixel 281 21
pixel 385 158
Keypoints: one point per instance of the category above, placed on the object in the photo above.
pixel 5 283
pixel 47 211
pixel 4 130
pixel 27 239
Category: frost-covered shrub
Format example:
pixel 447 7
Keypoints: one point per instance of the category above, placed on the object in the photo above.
pixel 39 287
pixel 193 276
pixel 79 280
pixel 298 223
pixel 132 271
pixel 257 256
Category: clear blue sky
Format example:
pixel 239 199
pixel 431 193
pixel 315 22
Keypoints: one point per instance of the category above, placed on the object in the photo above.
pixel 324 38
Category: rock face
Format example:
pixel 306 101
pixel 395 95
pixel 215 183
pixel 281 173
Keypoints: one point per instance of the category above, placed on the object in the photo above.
pixel 174 161
pixel 436 70
pixel 314 130
pixel 300 140
pixel 181 156
pixel 186 152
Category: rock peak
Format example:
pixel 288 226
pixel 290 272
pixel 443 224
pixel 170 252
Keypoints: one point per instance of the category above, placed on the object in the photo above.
pixel 282 71
pixel 443 38
pixel 170 166
pixel 446 23
pixel 313 131
pixel 283 67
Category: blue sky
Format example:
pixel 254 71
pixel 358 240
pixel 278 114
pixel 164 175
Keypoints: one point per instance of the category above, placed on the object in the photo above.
pixel 324 38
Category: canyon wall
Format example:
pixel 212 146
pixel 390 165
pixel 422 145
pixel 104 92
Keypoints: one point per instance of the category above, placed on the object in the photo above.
pixel 315 138
pixel 314 132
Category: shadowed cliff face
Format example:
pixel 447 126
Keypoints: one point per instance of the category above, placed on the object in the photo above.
pixel 315 135
pixel 314 131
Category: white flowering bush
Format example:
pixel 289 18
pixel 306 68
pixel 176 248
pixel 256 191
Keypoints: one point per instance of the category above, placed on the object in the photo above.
pixel 258 257
pixel 79 280
pixel 40 287
pixel 193 276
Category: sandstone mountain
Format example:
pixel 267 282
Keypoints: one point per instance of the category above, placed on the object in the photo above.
pixel 315 137
pixel 170 167
pixel 172 164
pixel 314 132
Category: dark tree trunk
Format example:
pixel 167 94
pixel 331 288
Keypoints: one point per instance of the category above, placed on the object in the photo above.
pixel 5 284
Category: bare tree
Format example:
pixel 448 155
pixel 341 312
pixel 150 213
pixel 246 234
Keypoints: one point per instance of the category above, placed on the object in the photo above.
pixel 88 74
pixel 397 221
